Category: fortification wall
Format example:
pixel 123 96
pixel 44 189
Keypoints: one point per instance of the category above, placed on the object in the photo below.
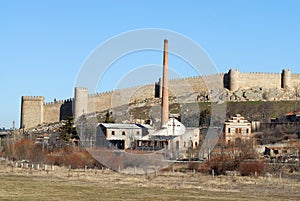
pixel 265 80
pixel 106 100
pixel 99 102
pixel 196 84
pixel 35 112
pixel 57 110
pixel 295 80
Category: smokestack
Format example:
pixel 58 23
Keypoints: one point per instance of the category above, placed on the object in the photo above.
pixel 165 92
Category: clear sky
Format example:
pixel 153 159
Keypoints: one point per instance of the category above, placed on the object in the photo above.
pixel 44 43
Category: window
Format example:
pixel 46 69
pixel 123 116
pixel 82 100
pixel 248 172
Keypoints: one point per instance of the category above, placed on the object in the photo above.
pixel 247 130
pixel 138 132
pixel 112 132
pixel 240 130
pixel 236 130
pixel 123 133
pixel 228 130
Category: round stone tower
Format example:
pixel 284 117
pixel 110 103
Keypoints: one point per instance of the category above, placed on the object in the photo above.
pixel 233 80
pixel 80 106
pixel 286 78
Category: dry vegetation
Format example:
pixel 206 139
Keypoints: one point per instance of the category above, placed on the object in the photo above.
pixel 64 184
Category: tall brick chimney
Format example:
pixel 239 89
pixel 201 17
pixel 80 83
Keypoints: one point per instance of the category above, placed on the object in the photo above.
pixel 165 92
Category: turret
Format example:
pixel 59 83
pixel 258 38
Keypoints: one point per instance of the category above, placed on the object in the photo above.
pixel 286 78
pixel 233 80
pixel 80 106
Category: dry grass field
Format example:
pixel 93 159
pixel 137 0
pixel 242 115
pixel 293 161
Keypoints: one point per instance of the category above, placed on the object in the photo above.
pixel 63 184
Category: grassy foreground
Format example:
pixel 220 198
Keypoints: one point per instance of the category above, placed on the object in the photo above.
pixel 62 184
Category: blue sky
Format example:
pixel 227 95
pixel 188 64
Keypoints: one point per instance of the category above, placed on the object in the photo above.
pixel 44 43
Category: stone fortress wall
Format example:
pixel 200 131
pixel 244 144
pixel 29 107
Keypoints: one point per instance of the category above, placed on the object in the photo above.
pixel 34 111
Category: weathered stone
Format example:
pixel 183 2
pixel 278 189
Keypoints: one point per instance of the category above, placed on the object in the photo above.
pixel 253 95
pixel 239 94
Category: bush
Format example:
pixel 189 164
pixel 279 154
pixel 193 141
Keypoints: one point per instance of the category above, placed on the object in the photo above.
pixel 74 157
pixel 221 164
pixel 249 168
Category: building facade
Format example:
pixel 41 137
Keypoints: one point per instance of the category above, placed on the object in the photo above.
pixel 237 129
pixel 120 136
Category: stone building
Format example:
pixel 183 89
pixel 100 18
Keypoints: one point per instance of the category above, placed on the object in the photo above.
pixel 120 136
pixel 237 129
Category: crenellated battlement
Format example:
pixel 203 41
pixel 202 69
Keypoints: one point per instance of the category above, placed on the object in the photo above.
pixel 33 98
pixel 111 92
pixel 260 73
pixel 82 88
pixel 59 102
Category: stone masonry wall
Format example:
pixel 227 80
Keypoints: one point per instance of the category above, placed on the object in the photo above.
pixel 295 80
pixel 106 100
pixel 31 111
pixel 35 112
pixel 265 80
pixel 56 111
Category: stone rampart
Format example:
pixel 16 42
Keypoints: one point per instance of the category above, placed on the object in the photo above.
pixel 35 112
pixel 116 98
pixel 265 80
pixel 57 110
pixel 295 80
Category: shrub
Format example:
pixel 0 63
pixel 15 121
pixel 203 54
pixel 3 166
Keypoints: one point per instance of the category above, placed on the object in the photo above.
pixel 74 157
pixel 249 168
